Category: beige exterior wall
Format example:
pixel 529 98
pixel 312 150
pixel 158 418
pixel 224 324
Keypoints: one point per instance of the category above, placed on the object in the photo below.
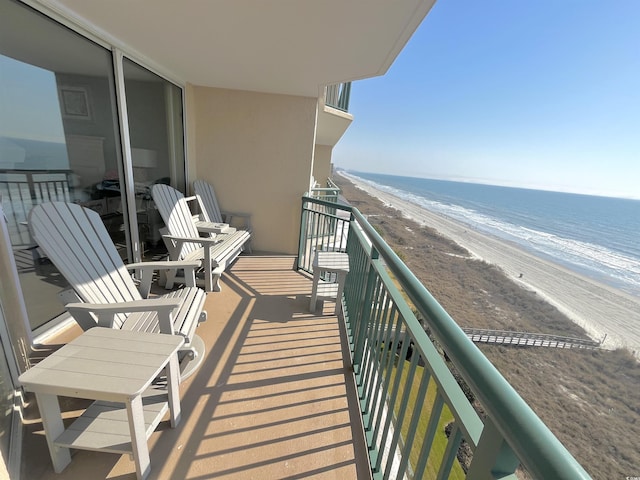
pixel 322 164
pixel 257 151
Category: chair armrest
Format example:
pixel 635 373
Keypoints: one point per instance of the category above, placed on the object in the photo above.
pixel 174 243
pixel 106 312
pixel 144 272
pixel 200 240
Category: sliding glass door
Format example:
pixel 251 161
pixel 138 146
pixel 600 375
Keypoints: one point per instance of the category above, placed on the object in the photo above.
pixel 61 139
pixel 154 113
pixel 58 139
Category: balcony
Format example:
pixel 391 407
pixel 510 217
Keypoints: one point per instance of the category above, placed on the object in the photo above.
pixel 283 393
pixel 338 96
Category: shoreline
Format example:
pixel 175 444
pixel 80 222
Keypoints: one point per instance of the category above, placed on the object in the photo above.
pixel 598 308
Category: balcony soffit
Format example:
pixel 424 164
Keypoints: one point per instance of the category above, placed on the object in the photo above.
pixel 282 46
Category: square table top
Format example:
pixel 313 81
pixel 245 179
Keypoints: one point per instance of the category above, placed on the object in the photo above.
pixel 103 363
pixel 331 261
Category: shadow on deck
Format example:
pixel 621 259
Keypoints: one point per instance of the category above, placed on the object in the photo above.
pixel 274 397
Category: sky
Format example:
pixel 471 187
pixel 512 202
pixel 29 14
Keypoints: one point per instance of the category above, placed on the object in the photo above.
pixel 538 94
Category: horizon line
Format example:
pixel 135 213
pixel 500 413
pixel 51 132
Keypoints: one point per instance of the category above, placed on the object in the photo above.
pixel 504 184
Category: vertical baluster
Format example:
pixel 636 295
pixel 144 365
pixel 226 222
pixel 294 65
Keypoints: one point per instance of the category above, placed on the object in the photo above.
pixel 368 361
pixel 415 420
pixel 401 412
pixel 450 454
pixel 374 355
pixel 389 371
pixel 432 428
pixel 386 367
pixel 377 456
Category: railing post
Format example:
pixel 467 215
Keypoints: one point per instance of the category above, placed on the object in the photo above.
pixel 303 234
pixel 31 186
pixel 493 458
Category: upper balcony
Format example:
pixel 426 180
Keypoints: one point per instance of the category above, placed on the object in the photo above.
pixel 284 393
pixel 337 96
pixel 333 114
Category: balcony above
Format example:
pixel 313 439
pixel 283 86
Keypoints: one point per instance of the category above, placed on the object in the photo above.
pixel 293 48
pixel 333 114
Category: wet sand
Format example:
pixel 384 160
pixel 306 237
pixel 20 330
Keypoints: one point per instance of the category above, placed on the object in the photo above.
pixel 599 309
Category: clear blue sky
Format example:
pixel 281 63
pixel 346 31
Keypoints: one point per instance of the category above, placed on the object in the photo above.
pixel 541 94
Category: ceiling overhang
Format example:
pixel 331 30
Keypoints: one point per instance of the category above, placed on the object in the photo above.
pixel 293 47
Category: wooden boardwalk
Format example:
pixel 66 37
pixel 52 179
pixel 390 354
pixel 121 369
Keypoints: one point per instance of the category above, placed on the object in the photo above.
pixel 524 339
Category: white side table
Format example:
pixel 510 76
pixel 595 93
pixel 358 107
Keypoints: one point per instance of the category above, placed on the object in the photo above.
pixel 329 262
pixel 116 368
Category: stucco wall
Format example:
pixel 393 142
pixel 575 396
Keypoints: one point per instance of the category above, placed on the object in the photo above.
pixel 257 151
pixel 322 164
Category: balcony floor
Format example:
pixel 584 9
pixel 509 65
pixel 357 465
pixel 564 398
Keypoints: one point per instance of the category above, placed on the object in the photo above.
pixel 273 398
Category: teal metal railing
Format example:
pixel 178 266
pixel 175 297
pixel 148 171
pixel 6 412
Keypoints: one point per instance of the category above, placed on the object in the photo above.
pixel 329 193
pixel 323 227
pixel 418 420
pixel 338 96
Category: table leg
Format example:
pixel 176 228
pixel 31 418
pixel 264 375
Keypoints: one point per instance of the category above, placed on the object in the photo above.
pixel 53 427
pixel 138 437
pixel 341 277
pixel 173 384
pixel 314 290
pixel 208 274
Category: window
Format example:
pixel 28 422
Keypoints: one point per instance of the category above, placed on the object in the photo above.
pixel 154 111
pixel 60 140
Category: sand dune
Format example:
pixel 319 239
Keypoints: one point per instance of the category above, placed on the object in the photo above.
pixel 601 310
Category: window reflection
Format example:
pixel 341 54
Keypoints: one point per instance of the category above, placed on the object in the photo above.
pixel 154 108
pixel 58 139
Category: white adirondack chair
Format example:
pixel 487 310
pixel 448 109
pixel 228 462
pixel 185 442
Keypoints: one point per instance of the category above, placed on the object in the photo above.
pixel 210 210
pixel 78 244
pixel 183 241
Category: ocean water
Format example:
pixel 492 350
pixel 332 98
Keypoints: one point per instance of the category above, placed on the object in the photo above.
pixel 598 237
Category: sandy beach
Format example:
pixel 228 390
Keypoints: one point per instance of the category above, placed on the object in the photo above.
pixel 599 309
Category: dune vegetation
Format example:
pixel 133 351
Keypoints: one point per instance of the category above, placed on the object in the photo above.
pixel 590 399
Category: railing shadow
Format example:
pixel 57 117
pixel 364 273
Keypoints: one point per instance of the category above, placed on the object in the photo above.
pixel 275 395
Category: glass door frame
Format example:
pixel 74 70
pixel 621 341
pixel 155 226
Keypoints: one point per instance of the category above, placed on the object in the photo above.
pixel 130 218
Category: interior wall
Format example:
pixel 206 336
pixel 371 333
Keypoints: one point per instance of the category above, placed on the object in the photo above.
pixel 257 151
pixel 322 164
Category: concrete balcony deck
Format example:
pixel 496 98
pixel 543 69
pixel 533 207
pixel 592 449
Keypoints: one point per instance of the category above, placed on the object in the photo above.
pixel 274 397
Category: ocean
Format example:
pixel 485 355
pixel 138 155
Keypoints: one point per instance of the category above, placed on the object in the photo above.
pixel 598 237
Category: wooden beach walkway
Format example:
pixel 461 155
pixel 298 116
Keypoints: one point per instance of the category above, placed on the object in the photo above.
pixel 525 339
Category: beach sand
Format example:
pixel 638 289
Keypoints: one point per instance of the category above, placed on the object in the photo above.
pixel 588 398
pixel 599 309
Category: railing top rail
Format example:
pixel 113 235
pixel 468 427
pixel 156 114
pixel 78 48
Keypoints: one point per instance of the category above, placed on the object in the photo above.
pixel 326 203
pixel 332 184
pixel 324 189
pixel 531 440
pixel 23 171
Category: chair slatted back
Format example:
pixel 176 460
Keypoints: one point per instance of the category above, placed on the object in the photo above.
pixel 176 214
pixel 208 202
pixel 78 244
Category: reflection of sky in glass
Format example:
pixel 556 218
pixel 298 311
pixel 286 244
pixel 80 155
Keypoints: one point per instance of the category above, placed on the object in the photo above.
pixel 29 106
